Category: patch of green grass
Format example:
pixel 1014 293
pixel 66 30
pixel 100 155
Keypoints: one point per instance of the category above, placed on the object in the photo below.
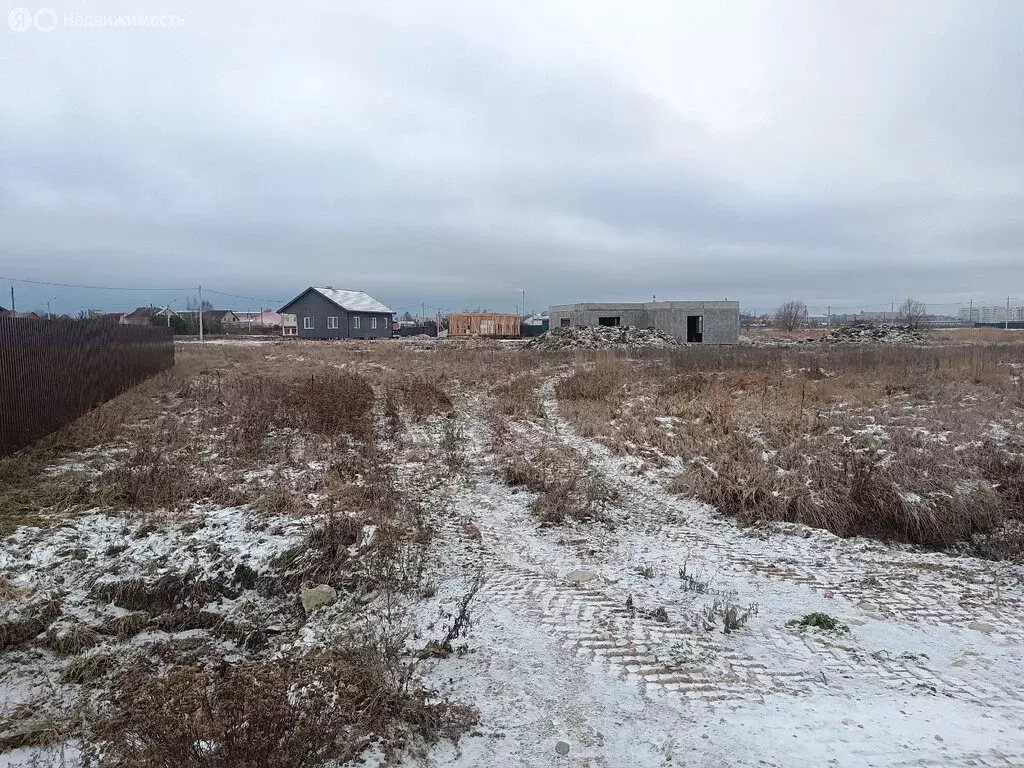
pixel 435 650
pixel 820 621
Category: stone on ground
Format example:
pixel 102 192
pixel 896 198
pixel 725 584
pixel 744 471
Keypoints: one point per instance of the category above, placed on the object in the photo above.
pixel 580 577
pixel 320 595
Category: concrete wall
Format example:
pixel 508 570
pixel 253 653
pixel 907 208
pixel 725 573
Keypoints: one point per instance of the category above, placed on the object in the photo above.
pixel 721 318
pixel 312 304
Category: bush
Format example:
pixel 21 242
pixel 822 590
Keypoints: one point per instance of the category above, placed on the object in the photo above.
pixel 596 383
pixel 332 404
pixel 912 494
pixel 517 397
pixel 575 496
pixel 319 710
pixel 424 397
pixel 178 324
pixel 820 621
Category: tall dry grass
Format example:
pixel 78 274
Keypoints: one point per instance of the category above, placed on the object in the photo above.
pixel 323 709
pixel 883 441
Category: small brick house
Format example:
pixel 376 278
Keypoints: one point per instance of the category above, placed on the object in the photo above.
pixel 331 313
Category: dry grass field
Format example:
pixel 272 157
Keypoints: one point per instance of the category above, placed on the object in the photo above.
pixel 308 554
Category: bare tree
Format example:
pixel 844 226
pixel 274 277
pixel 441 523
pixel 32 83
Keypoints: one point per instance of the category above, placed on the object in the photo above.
pixel 791 315
pixel 913 311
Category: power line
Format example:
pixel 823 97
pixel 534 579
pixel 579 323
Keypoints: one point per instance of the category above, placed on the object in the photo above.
pixel 125 288
pixel 247 298
pixel 91 287
pixel 840 307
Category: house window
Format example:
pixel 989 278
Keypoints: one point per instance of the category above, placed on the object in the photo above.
pixel 563 323
pixel 332 323
pixel 355 322
pixel 307 323
pixel 611 322
pixel 373 323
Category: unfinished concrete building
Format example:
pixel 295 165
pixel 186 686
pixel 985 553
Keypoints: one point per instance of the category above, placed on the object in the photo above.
pixel 696 322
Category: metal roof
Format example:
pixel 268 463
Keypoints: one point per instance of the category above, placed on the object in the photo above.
pixel 352 301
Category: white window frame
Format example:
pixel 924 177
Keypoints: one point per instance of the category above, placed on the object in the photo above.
pixel 355 322
pixel 308 323
pixel 332 323
pixel 373 323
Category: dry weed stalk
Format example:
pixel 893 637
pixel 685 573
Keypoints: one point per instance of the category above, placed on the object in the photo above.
pixel 833 437
pixel 318 710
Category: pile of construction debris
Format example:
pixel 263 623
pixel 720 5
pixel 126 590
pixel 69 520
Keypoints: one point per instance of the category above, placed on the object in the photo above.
pixel 842 334
pixel 601 337
pixel 870 334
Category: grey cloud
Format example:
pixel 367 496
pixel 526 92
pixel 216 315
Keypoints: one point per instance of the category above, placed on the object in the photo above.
pixel 456 154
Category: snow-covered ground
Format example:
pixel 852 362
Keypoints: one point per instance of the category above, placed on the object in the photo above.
pixel 926 674
pixel 603 643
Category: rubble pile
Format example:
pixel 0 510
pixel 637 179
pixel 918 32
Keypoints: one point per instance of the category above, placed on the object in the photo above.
pixel 601 337
pixel 843 334
pixel 869 334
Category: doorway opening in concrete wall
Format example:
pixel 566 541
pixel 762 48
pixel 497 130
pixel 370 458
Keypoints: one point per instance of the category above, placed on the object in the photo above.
pixel 611 322
pixel 563 323
pixel 695 329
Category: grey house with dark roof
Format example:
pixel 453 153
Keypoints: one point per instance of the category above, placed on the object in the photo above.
pixel 330 313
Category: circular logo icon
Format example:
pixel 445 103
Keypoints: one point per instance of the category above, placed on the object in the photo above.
pixel 45 19
pixel 19 19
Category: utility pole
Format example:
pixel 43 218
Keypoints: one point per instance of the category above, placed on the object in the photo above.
pixel 524 302
pixel 1006 325
pixel 970 313
pixel 200 313
pixel 423 312
pixel 13 312
pixel 828 317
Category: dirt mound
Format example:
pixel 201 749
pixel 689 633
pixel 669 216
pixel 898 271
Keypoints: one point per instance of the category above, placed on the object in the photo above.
pixel 601 337
pixel 868 334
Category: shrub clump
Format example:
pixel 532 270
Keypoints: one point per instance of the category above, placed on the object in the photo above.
pixel 517 397
pixel 424 397
pixel 332 404
pixel 566 488
pixel 909 493
pixel 318 710
pixel 820 621
pixel 596 383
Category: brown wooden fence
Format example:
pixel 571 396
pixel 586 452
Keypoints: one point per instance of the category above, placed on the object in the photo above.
pixel 491 324
pixel 53 371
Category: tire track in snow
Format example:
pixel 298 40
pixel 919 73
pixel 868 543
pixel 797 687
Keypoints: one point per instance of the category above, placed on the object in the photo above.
pixel 887 581
pixel 918 586
pixel 592 623
pixel 669 658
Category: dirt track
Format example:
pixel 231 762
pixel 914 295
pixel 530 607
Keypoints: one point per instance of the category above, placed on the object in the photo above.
pixel 628 663
pixel 925 676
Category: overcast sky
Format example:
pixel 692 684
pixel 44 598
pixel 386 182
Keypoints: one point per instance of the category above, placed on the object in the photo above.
pixel 456 153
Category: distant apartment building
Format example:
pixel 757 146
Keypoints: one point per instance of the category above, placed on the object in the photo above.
pixel 874 317
pixel 992 314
